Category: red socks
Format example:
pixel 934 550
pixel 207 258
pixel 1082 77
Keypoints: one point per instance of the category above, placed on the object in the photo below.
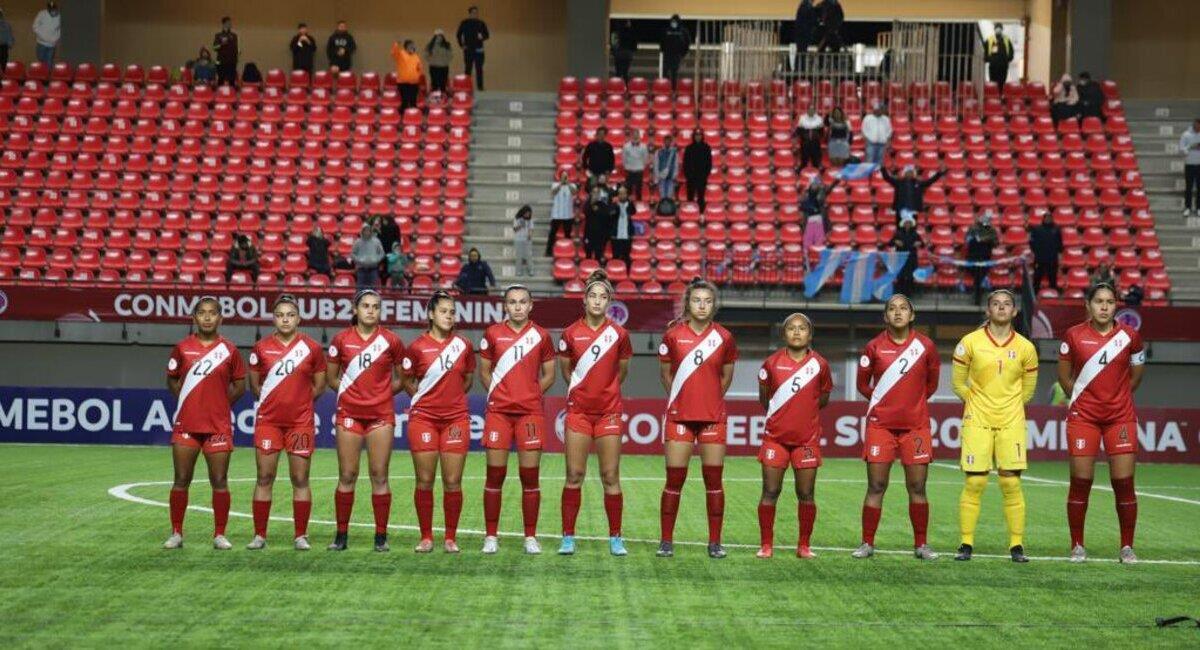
pixel 300 513
pixel 614 505
pixel 669 505
pixel 807 514
pixel 714 500
pixel 766 524
pixel 918 514
pixel 492 490
pixel 1126 508
pixel 179 501
pixel 531 499
pixel 343 504
pixel 423 501
pixel 452 505
pixel 1077 505
pixel 220 506
pixel 870 523
pixel 381 505
pixel 262 512
pixel 571 499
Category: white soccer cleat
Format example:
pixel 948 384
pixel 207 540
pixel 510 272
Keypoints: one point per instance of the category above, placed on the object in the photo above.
pixel 173 542
pixel 301 543
pixel 1078 554
pixel 923 552
pixel 1127 555
pixel 450 546
pixel 222 543
pixel 863 552
pixel 532 547
pixel 424 546
pixel 258 543
pixel 490 545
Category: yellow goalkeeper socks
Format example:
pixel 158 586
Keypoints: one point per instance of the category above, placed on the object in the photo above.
pixel 1014 508
pixel 968 506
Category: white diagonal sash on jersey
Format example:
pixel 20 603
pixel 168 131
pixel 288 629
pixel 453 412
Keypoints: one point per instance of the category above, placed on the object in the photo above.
pixel 793 385
pixel 891 376
pixel 607 339
pixel 1094 367
pixel 706 347
pixel 447 358
pixel 277 374
pixel 355 367
pixel 215 357
pixel 509 359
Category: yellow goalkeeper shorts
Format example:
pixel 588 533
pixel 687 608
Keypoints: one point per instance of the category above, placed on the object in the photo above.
pixel 982 445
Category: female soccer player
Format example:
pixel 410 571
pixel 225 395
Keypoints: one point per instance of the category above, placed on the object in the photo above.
pixel 995 374
pixel 696 358
pixel 364 368
pixel 594 356
pixel 898 373
pixel 439 368
pixel 1100 364
pixel 287 374
pixel 793 385
pixel 516 363
pixel 205 372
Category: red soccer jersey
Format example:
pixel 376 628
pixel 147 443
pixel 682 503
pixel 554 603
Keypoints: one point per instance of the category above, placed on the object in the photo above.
pixel 207 371
pixel 696 362
pixel 366 366
pixel 1102 365
pixel 595 355
pixel 795 389
pixel 442 370
pixel 899 396
pixel 285 375
pixel 517 358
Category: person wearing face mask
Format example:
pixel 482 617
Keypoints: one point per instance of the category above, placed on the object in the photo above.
pixel 907 240
pixel 225 43
pixel 1064 101
pixel 998 52
pixel 303 47
pixel 47 30
pixel 909 190
pixel 981 239
pixel 409 72
pixel 674 45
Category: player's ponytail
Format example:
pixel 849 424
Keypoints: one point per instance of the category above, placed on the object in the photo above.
pixel 358 297
pixel 699 283
pixel 437 297
pixel 598 277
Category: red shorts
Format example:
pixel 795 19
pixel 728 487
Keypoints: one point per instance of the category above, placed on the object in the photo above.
pixel 774 454
pixel 499 429
pixel 209 443
pixel 1083 438
pixel 446 436
pixel 706 433
pixel 362 426
pixel 298 441
pixel 594 425
pixel 915 445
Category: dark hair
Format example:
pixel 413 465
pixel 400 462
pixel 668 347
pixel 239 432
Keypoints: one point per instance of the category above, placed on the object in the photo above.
pixel 1085 75
pixel 409 41
pixel 472 8
pixel 226 19
pixel 434 42
pixel 286 299
pixel 209 300
pixel 908 300
pixel 523 210
pixel 516 287
pixel 301 25
pixel 438 296
pixel 598 277
pixel 1095 287
pixel 358 297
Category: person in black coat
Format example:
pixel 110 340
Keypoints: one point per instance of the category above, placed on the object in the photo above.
pixel 304 48
pixel 225 46
pixel 909 192
pixel 697 165
pixel 832 18
pixel 907 240
pixel 598 226
pixel 340 48
pixel 319 257
pixel 808 22
pixel 623 43
pixel 598 157
pixel 1046 243
pixel 1091 98
pixel 674 45
pixel 623 213
pixel 472 32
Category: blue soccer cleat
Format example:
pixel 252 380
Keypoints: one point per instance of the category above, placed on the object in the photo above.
pixel 568 545
pixel 616 546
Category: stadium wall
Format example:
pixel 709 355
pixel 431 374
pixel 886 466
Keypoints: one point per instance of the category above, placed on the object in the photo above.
pixel 1155 49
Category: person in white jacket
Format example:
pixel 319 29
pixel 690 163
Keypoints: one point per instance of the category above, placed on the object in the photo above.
pixel 877 131
pixel 47 31
pixel 1189 146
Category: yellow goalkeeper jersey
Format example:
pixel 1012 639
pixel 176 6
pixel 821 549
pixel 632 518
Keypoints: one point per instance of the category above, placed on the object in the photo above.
pixel 994 379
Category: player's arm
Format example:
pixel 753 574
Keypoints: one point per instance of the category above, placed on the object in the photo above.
pixel 863 376
pixel 173 384
pixel 823 401
pixel 622 370
pixel 764 394
pixel 237 388
pixel 933 373
pixel 664 375
pixel 1137 364
pixel 397 379
pixel 564 367
pixel 1065 377
pixel 485 371
pixel 1029 379
pixel 546 379
pixel 333 375
pixel 960 376
pixel 318 382
pixel 254 383
pixel 726 377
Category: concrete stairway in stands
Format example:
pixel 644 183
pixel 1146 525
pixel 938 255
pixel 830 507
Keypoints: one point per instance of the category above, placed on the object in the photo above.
pixel 1155 126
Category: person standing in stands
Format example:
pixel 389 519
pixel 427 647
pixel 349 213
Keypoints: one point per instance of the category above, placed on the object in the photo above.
pixel 47 31
pixel 666 166
pixel 523 240
pixel 623 211
pixel 1189 146
pixel 877 131
pixel 998 52
pixel 304 48
pixel 437 57
pixel 472 32
pixel 1046 243
pixel 340 48
pixel 409 73
pixel 808 21
pixel 598 158
pixel 907 240
pixel 6 42
pixel 368 253
pixel 981 239
pixel 832 18
pixel 909 192
pixel 697 165
pixel 562 209
pixel 476 275
pixel 809 129
pixel 598 226
pixel 242 257
pixel 623 43
pixel 674 45
pixel 225 44
pixel 634 157
pixel 839 137
pixel 1091 98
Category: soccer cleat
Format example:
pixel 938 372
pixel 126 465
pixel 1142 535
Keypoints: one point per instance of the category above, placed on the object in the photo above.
pixel 222 543
pixel 1127 555
pixel 258 543
pixel 1078 554
pixel 568 545
pixel 805 553
pixel 532 547
pixel 424 546
pixel 173 542
pixel 964 553
pixel 923 552
pixel 1018 554
pixel 381 543
pixel 864 551
pixel 450 546
pixel 665 549
pixel 301 543
pixel 490 545
pixel 339 542
pixel 716 551
pixel 765 552
pixel 1187 212
pixel 616 546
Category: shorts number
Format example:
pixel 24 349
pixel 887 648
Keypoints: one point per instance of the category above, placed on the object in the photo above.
pixel 364 360
pixel 698 358
pixel 203 368
pixel 808 453
pixel 300 440
pixel 530 431
pixel 595 350
pixel 903 365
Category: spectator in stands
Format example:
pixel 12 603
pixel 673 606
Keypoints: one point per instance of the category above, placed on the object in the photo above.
pixel 398 274
pixel 304 48
pixel 623 212
pixel 475 276
pixel 388 232
pixel 340 48
pixel 606 190
pixel 368 254
pixel 813 204
pixel 1189 146
pixel 319 257
pixel 47 32
pixel 909 192
pixel 907 240
pixel 981 239
pixel 562 209
pixel 203 70
pixel 1046 243
pixel 598 156
pixel 839 137
pixel 674 45
pixel 1134 297
pixel 6 42
pixel 623 43
pixel 1104 275
pixel 809 129
pixel 808 21
pixel 437 56
pixel 998 53
pixel 1091 98
pixel 1064 99
pixel 523 240
pixel 832 18
pixel 251 74
pixel 597 226
pixel 877 131
pixel 242 256
pixel 666 168
pixel 225 44
pixel 472 32
pixel 409 73
pixel 697 165
pixel 634 158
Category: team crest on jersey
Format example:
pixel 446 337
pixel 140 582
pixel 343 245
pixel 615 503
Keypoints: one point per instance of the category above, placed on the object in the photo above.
pixel 1064 348
pixel 1012 354
pixel 864 361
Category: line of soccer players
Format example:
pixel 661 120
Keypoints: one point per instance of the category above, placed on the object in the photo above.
pixel 995 373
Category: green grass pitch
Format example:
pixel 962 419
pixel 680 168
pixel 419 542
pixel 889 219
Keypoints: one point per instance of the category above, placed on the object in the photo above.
pixel 80 567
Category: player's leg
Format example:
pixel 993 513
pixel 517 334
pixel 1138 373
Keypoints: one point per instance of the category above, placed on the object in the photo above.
pixel 218 478
pixel 299 468
pixel 183 461
pixel 379 457
pixel 878 477
pixel 677 451
pixel 1083 441
pixel 772 485
pixel 453 463
pixel 349 446
pixel 915 477
pixel 976 462
pixel 712 466
pixel 806 508
pixel 576 446
pixel 266 465
pixel 608 452
pixel 1010 462
pixel 497 437
pixel 425 465
pixel 1121 468
pixel 529 466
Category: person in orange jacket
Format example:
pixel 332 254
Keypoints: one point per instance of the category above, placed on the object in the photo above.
pixel 409 73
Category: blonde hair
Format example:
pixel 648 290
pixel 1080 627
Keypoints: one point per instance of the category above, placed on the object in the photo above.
pixel 601 278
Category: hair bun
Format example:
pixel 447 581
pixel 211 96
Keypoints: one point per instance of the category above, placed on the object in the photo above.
pixel 599 275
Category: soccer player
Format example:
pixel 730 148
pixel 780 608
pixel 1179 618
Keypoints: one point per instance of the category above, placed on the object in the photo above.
pixel 1100 364
pixel 205 372
pixel 287 372
pixel 897 373
pixel 793 385
pixel 516 363
pixel 594 357
pixel 995 374
pixel 364 368
pixel 696 358
pixel 439 368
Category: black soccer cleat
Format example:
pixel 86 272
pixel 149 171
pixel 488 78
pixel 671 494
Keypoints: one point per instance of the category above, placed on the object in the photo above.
pixel 665 549
pixel 381 543
pixel 339 542
pixel 964 553
pixel 1018 554
pixel 716 551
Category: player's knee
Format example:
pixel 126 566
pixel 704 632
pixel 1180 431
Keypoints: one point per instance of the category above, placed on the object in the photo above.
pixel 610 478
pixel 424 482
pixel 266 479
pixel 220 482
pixel 916 488
pixel 575 476
pixel 770 496
pixel 299 481
pixel 876 487
pixel 379 477
pixel 451 485
pixel 182 482
pixel 348 476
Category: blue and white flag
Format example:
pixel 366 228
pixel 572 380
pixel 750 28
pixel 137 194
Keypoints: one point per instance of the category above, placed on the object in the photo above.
pixel 858 280
pixel 857 171
pixel 831 260
pixel 893 261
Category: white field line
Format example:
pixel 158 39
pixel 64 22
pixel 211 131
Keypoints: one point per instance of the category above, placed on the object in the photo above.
pixel 1057 483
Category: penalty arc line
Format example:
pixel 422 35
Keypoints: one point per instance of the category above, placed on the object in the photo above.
pixel 1058 483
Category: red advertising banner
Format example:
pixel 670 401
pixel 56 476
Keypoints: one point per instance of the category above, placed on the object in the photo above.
pixel 1153 323
pixel 327 308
